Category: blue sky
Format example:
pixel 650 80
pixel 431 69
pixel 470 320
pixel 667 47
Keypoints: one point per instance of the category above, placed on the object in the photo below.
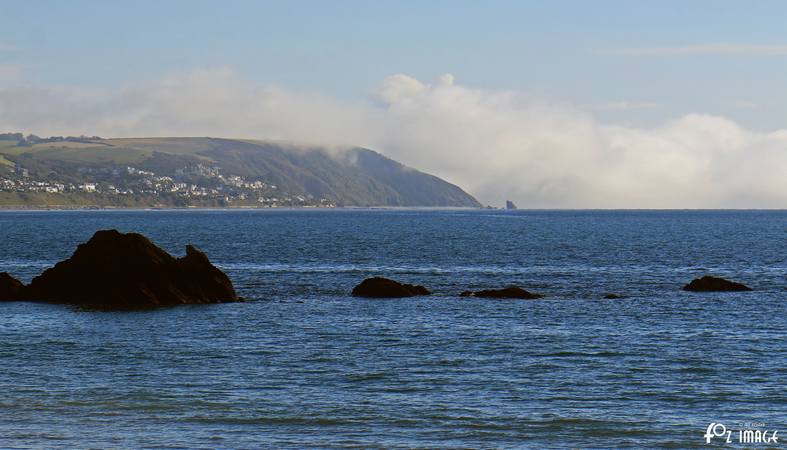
pixel 560 49
pixel 550 103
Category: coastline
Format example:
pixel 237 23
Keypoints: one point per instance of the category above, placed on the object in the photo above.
pixel 22 208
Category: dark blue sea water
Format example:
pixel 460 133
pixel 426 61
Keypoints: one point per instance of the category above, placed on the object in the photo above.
pixel 303 365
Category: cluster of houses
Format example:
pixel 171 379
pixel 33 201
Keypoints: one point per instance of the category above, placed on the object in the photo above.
pixel 198 182
pixel 27 185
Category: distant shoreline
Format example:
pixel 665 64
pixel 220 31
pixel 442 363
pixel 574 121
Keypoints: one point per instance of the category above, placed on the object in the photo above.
pixel 36 208
pixel 11 208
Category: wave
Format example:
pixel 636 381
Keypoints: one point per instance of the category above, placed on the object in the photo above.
pixel 486 269
pixel 23 263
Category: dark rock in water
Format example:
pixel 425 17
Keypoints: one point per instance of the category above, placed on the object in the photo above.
pixel 126 271
pixel 384 288
pixel 614 296
pixel 713 284
pixel 509 292
pixel 10 287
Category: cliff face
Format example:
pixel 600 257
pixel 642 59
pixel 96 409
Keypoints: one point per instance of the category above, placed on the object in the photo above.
pixel 355 177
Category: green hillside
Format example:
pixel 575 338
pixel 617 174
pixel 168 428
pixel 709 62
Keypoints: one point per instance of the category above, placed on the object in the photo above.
pixel 224 171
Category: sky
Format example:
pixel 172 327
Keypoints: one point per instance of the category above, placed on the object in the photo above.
pixel 552 104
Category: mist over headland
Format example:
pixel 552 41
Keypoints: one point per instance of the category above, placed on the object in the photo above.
pixel 496 144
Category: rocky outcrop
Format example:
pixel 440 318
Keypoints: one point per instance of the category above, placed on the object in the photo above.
pixel 713 284
pixel 509 292
pixel 378 287
pixel 126 271
pixel 10 287
pixel 614 296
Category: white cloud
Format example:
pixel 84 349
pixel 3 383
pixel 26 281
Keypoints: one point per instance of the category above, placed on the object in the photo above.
pixel 399 87
pixel 623 106
pixel 497 144
pixel 10 73
pixel 446 80
pixel 703 49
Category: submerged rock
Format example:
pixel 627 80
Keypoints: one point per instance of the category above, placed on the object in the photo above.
pixel 114 270
pixel 713 284
pixel 509 292
pixel 10 287
pixel 614 296
pixel 378 287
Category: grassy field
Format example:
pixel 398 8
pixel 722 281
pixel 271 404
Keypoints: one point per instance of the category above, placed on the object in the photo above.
pixel 119 151
pixel 3 146
pixel 68 145
pixel 108 151
pixel 85 154
pixel 175 146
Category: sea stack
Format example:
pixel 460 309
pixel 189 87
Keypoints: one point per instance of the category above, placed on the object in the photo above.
pixel 378 287
pixel 510 205
pixel 509 292
pixel 114 270
pixel 713 284
pixel 10 287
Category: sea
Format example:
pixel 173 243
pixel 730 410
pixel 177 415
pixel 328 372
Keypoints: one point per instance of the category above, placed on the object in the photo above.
pixel 301 364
